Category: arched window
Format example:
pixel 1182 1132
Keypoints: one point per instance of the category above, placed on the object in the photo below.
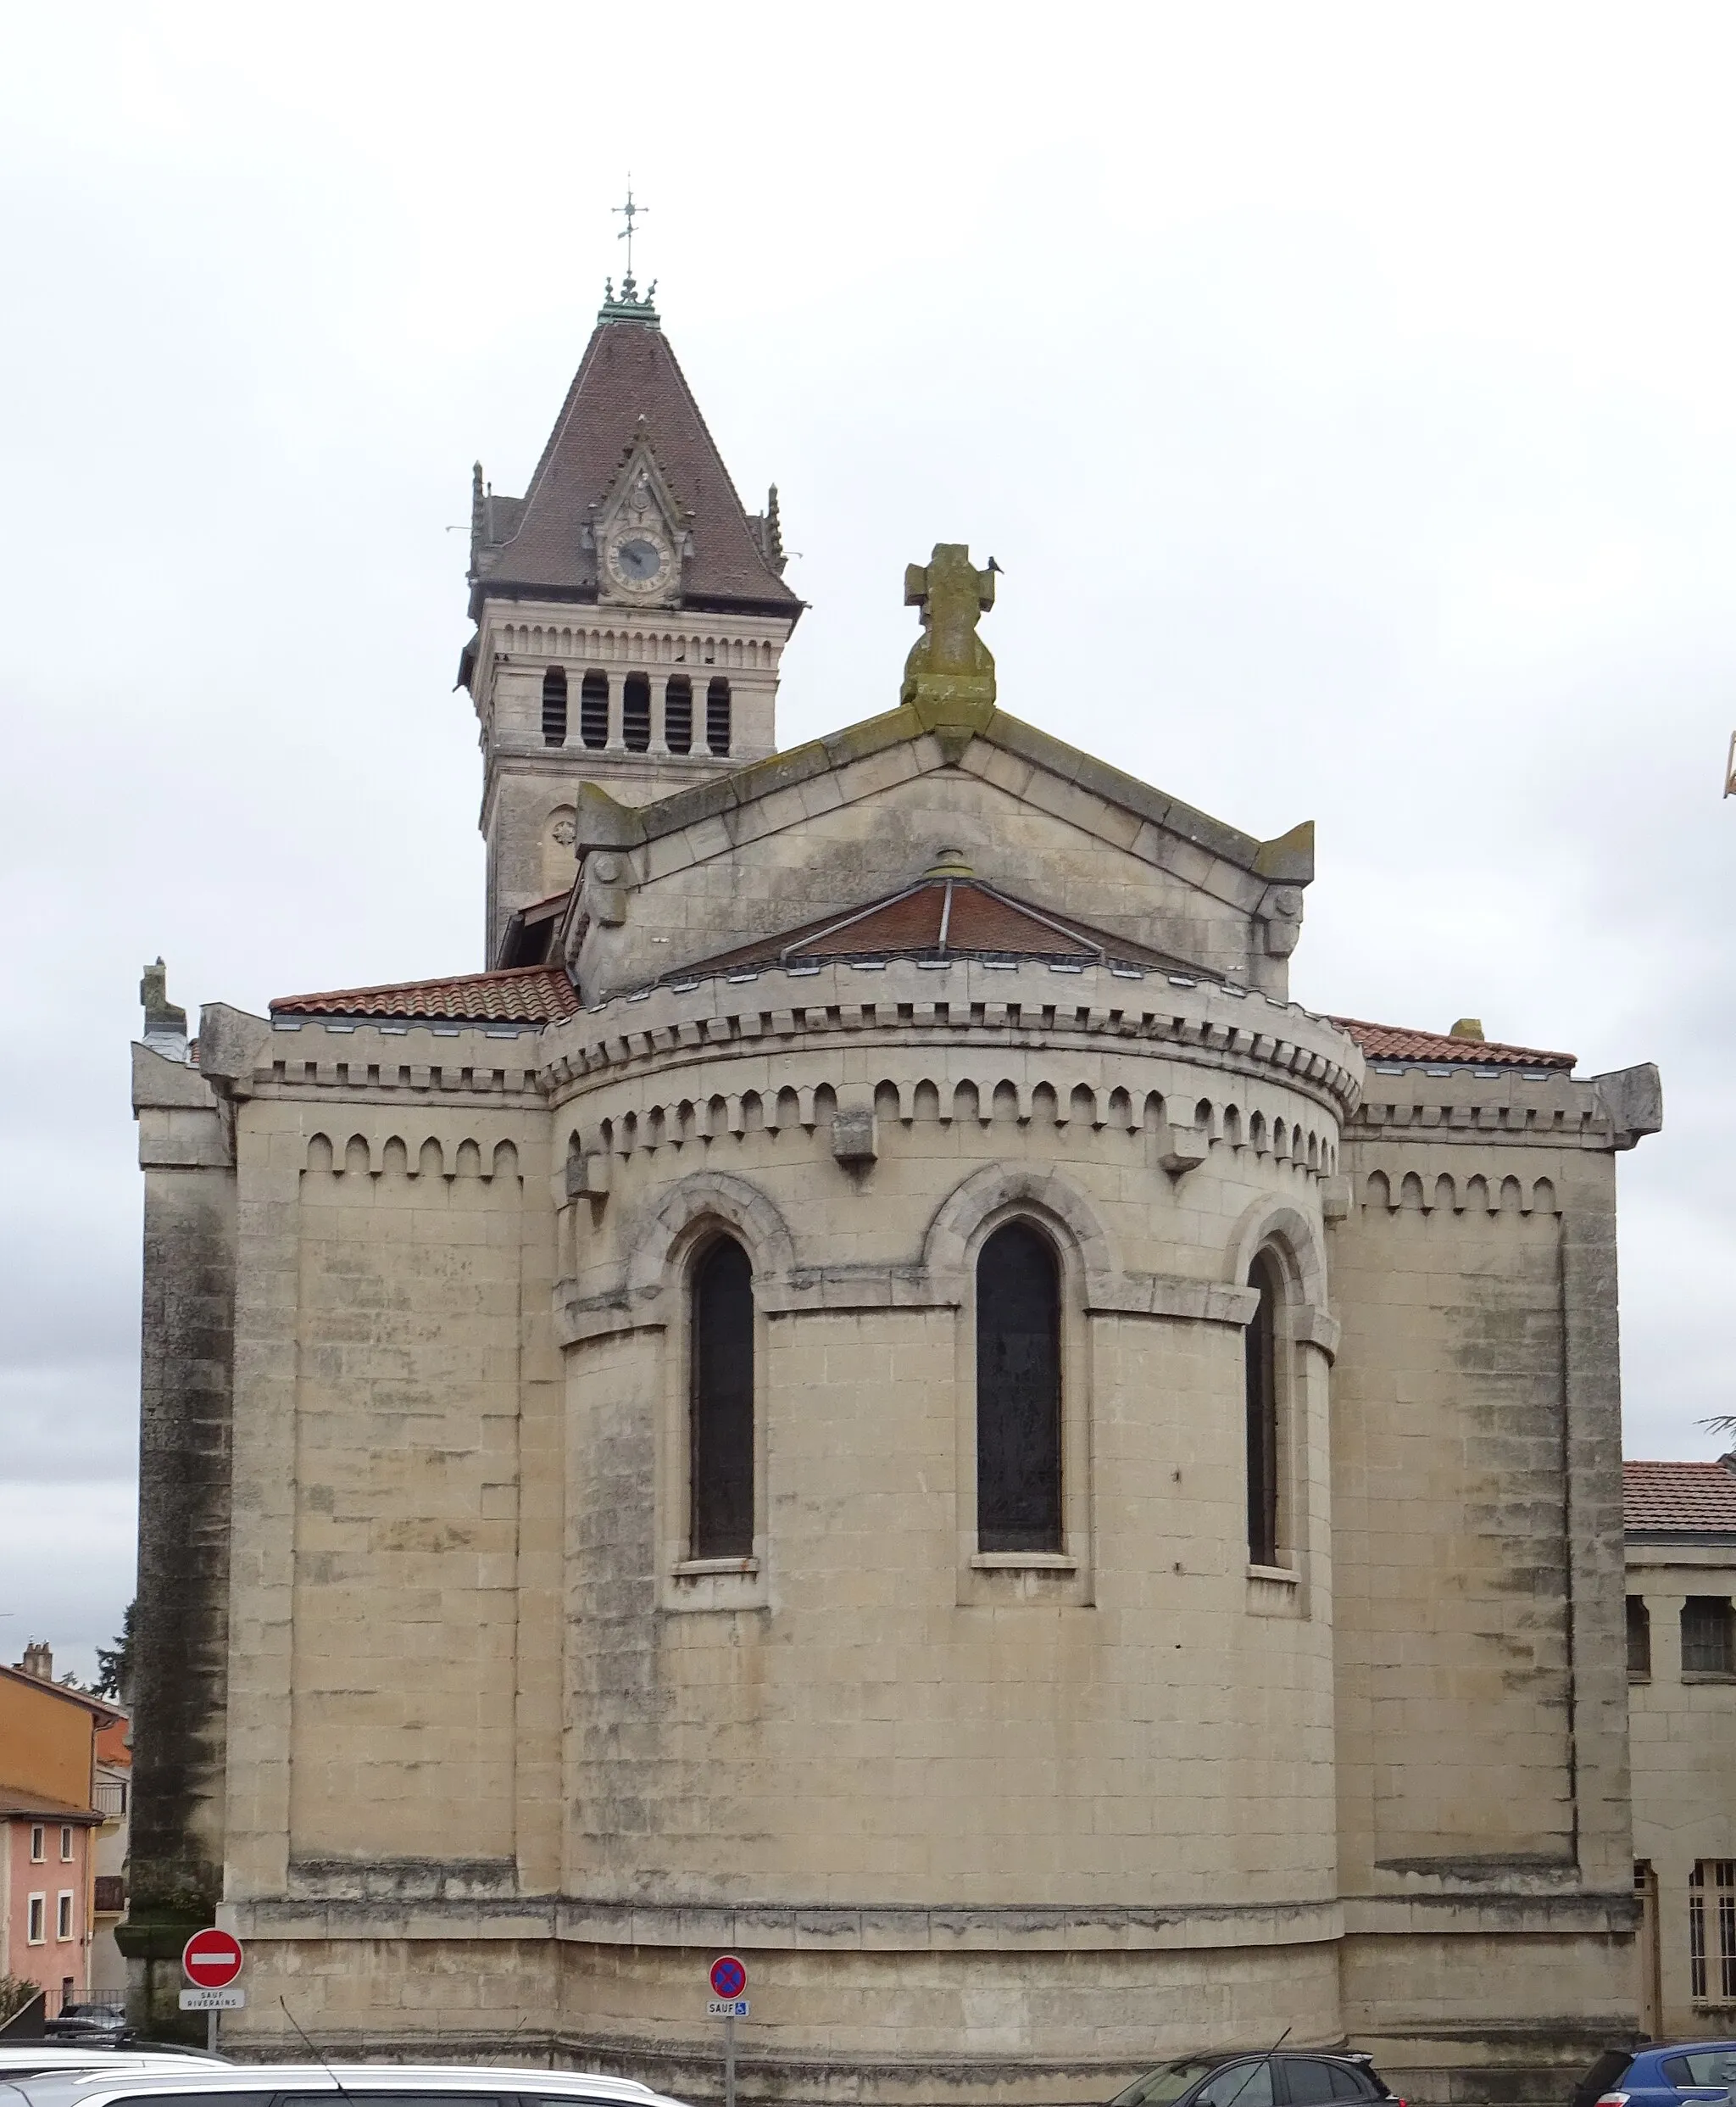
pixel 1261 1345
pixel 1018 1392
pixel 1639 1640
pixel 594 709
pixel 636 713
pixel 721 1407
pixel 678 715
pixel 554 706
pixel 717 715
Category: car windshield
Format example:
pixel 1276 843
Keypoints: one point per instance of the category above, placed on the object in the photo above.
pixel 1168 2082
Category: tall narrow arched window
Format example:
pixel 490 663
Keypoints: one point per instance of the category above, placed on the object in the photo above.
pixel 554 706
pixel 594 709
pixel 717 715
pixel 1018 1392
pixel 1261 1341
pixel 636 713
pixel 720 1412
pixel 678 713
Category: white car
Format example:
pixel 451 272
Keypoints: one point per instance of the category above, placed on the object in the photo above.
pixel 186 2081
pixel 45 2059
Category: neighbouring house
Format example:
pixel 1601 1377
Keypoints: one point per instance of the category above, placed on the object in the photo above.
pixel 48 1821
pixel 1681 1526
pixel 112 1799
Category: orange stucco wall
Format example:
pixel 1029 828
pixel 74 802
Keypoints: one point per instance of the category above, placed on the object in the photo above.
pixel 47 1740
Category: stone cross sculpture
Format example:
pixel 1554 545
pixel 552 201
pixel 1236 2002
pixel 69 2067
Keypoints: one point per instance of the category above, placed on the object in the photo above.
pixel 949 673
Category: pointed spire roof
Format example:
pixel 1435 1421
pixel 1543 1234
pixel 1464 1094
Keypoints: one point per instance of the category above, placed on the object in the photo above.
pixel 628 387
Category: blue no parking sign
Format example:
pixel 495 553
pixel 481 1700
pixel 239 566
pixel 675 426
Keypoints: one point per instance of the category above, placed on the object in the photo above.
pixel 729 1978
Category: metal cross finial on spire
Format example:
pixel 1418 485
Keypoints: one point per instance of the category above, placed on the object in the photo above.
pixel 629 212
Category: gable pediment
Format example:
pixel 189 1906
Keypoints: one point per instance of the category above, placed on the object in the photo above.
pixel 860 814
pixel 640 494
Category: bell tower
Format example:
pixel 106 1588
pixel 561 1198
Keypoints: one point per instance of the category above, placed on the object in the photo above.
pixel 631 614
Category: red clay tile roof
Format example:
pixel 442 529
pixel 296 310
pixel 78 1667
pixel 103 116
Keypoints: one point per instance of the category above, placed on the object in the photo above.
pixel 1393 1042
pixel 939 917
pixel 628 371
pixel 520 995
pixel 1679 1495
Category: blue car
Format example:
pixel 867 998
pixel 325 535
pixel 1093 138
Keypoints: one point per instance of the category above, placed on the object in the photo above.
pixel 1667 2074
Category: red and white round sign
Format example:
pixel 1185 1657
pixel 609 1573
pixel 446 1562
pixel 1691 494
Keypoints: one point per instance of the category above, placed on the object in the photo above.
pixel 211 1959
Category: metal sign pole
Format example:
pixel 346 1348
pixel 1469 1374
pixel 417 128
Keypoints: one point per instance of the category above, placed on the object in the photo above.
pixel 729 2061
pixel 211 2031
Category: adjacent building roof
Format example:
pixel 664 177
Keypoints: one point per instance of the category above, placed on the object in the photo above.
pixel 33 1807
pixel 521 995
pixel 67 1692
pixel 1686 1499
pixel 628 386
pixel 1393 1042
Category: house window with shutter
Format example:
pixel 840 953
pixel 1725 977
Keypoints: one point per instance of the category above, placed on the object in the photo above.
pixel 1708 1641
pixel 1711 1929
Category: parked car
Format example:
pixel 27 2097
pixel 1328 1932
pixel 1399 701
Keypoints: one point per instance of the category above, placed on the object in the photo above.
pixel 192 2084
pixel 53 2058
pixel 1278 2077
pixel 99 2021
pixel 1663 2074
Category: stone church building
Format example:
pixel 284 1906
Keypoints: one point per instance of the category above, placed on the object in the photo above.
pixel 874 1392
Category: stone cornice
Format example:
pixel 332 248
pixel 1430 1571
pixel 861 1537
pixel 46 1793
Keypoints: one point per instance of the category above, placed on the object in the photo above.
pixel 916 1928
pixel 1439 1103
pixel 965 1002
pixel 1288 859
pixel 815 1927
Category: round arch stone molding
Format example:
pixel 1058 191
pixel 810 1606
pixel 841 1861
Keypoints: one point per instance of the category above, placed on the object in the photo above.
pixel 652 1262
pixel 1278 1225
pixel 997 1187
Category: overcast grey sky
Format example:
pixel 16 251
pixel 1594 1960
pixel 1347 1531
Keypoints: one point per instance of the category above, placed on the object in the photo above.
pixel 1348 392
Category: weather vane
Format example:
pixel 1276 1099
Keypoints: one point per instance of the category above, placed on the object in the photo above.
pixel 629 212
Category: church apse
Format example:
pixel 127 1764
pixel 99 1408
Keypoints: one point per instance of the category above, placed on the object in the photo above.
pixel 884 1395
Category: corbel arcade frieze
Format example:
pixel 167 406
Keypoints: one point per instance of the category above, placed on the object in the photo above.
pixel 1207 1023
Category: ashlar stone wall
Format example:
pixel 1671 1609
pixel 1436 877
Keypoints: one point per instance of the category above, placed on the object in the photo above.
pixel 1477 1522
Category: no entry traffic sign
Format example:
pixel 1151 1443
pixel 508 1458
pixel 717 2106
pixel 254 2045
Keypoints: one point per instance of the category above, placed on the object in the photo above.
pixel 729 1978
pixel 212 1960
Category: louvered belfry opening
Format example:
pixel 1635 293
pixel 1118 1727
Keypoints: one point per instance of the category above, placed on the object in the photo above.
pixel 678 713
pixel 593 710
pixel 718 715
pixel 721 1406
pixel 554 706
pixel 1018 1392
pixel 635 712
pixel 1260 1343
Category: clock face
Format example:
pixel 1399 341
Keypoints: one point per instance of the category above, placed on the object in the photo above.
pixel 639 560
